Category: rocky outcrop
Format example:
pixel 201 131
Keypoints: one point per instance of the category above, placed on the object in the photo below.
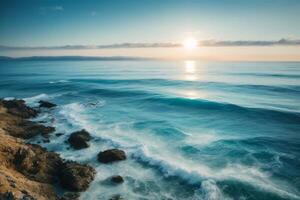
pixel 11 196
pixel 111 155
pixel 28 129
pixel 38 164
pixel 18 126
pixel 76 177
pixel 79 139
pixel 28 171
pixel 18 108
pixel 20 174
pixel 46 104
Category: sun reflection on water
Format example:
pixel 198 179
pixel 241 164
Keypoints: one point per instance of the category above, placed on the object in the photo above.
pixel 191 73
pixel 190 66
pixel 190 70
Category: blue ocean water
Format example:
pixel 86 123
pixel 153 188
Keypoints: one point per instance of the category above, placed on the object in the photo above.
pixel 192 130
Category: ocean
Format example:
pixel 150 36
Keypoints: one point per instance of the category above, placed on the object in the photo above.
pixel 192 130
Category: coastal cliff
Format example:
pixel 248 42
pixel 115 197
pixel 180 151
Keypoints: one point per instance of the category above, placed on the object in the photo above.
pixel 28 171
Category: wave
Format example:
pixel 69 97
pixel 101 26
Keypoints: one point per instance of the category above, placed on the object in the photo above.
pixel 174 166
pixel 36 98
pixel 33 101
pixel 117 92
pixel 200 105
pixel 201 174
pixel 267 75
pixel 196 84
pixel 117 81
pixel 74 114
pixel 289 89
pixel 161 129
pixel 210 191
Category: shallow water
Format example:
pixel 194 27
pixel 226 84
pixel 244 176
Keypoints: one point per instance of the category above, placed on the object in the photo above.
pixel 192 130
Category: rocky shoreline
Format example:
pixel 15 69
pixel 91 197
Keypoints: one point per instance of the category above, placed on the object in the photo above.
pixel 29 171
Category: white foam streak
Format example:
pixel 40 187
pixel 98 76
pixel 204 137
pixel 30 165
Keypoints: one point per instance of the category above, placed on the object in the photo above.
pixel 210 190
pixel 60 81
pixel 74 114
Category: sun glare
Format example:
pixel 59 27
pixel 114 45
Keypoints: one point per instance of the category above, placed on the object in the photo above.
pixel 190 43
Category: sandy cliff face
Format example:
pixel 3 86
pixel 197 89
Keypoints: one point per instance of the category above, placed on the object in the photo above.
pixel 14 177
pixel 28 171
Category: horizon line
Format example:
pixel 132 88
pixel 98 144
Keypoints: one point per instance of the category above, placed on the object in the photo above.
pixel 121 58
pixel 204 43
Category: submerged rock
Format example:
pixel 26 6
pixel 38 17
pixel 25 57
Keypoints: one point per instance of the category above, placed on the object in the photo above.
pixel 76 177
pixel 79 139
pixel 116 197
pixel 18 108
pixel 117 179
pixel 58 134
pixel 111 155
pixel 70 196
pixel 46 104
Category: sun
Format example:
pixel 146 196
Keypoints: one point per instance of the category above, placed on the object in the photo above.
pixel 190 43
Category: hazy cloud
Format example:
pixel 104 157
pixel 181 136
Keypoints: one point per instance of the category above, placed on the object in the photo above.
pixel 206 43
pixel 250 43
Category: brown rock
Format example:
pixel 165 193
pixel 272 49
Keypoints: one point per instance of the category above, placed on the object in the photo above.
pixel 76 177
pixel 19 108
pixel 31 129
pixel 38 164
pixel 79 139
pixel 111 155
pixel 117 179
pixel 21 174
pixel 46 104
pixel 19 127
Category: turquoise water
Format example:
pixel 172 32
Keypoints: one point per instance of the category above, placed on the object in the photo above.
pixel 191 130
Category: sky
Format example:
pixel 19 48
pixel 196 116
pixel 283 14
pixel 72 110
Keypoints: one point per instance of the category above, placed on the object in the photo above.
pixel 226 30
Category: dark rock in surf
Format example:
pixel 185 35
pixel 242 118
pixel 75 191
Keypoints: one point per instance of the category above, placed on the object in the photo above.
pixel 79 139
pixel 116 197
pixel 111 155
pixel 58 134
pixel 117 179
pixel 46 104
pixel 47 140
pixel 76 177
